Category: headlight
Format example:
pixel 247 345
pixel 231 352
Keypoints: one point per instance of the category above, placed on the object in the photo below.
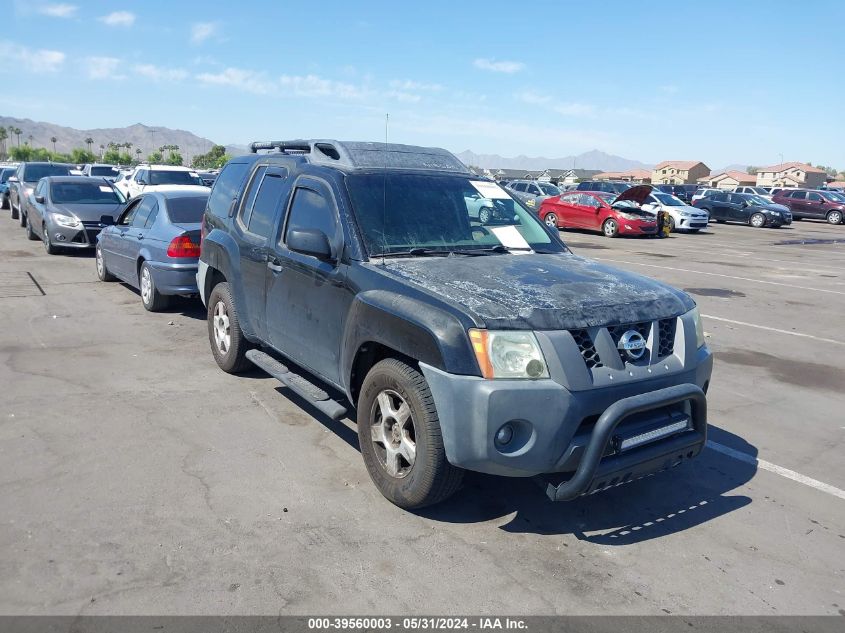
pixel 506 354
pixel 699 328
pixel 67 220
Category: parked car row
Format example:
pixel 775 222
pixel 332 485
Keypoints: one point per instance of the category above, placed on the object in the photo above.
pixel 327 275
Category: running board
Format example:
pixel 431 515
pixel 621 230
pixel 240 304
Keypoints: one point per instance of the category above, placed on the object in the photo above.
pixel 298 384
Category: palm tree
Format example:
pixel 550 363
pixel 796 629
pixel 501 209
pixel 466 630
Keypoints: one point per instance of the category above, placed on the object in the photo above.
pixel 29 142
pixel 17 132
pixel 102 150
pixel 89 142
pixel 138 153
pixel 53 141
pixel 3 136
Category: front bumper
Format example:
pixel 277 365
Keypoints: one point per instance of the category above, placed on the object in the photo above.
pixel 559 431
pixel 174 279
pixel 85 237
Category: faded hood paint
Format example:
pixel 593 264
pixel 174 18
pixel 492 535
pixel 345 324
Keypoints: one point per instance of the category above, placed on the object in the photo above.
pixel 541 292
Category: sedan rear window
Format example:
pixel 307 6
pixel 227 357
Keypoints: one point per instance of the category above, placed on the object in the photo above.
pixel 186 210
pixel 103 170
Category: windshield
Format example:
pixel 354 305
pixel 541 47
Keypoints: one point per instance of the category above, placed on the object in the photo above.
pixel 83 193
pixel 4 174
pixel 400 212
pixel 620 187
pixel 834 195
pixel 167 177
pixel 186 210
pixel 759 191
pixel 668 200
pixel 549 190
pixel 34 173
pixel 103 170
pixel 757 200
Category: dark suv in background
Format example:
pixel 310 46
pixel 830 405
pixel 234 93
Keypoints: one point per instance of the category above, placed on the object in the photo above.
pixel 604 185
pixel 684 192
pixel 358 276
pixel 806 203
pixel 23 182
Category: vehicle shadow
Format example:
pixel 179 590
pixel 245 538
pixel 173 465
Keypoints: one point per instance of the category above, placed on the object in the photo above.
pixel 190 307
pixel 666 503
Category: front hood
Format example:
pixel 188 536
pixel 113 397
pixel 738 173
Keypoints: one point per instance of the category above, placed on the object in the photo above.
pixel 774 207
pixel 638 194
pixel 541 292
pixel 88 212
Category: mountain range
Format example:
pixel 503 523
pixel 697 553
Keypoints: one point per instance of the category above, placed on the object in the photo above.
pixel 147 138
pixel 593 159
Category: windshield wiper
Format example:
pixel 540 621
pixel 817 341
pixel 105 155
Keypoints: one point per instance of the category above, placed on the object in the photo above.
pixel 442 252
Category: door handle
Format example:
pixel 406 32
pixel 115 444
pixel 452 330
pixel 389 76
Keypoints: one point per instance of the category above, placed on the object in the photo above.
pixel 274 265
pixel 140 236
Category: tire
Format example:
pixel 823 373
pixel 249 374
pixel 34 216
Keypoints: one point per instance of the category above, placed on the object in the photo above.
pixel 796 219
pixel 12 210
pixel 30 234
pixel 551 220
pixel 484 215
pixel 151 298
pixel 393 386
pixel 49 248
pixel 757 220
pixel 22 218
pixel 720 221
pixel 231 358
pixel 834 217
pixel 672 227
pixel 610 228
pixel 102 271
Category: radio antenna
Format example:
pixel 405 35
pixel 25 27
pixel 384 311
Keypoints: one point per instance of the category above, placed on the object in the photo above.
pixel 384 196
pixel 386 125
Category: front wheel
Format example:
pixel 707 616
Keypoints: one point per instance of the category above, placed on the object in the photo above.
pixel 757 220
pixel 228 343
pixel 400 438
pixel 834 217
pixel 30 234
pixel 22 218
pixel 48 243
pixel 551 220
pixel 672 227
pixel 485 214
pixel 12 210
pixel 610 228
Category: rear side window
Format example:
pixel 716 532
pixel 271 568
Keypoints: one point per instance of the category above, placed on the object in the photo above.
pixel 266 204
pixel 719 197
pixel 520 186
pixel 145 208
pixel 799 195
pixel 247 204
pixel 226 187
pixel 152 216
pixel 311 210
pixel 814 197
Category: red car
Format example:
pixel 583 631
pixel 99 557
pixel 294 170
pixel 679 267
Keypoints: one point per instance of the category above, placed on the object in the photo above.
pixel 609 213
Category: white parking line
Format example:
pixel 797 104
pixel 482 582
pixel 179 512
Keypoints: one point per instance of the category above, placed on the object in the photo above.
pixel 701 272
pixel 774 329
pixel 778 470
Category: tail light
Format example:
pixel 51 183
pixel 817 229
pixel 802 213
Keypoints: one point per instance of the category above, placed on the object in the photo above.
pixel 182 246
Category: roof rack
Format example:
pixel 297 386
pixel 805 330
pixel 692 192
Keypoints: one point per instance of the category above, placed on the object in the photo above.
pixel 363 155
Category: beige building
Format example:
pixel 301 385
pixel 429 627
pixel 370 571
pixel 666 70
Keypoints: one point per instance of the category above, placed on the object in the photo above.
pixel 791 175
pixel 679 172
pixel 729 180
pixel 639 176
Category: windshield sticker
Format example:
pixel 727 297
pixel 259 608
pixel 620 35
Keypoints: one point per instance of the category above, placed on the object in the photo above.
pixel 509 236
pixel 490 190
pixel 105 189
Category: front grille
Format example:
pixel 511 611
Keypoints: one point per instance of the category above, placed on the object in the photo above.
pixel 587 348
pixel 666 342
pixel 79 238
pixel 616 332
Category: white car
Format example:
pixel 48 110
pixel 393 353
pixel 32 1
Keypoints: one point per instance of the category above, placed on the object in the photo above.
pixel 147 178
pixel 755 191
pixel 703 193
pixel 682 217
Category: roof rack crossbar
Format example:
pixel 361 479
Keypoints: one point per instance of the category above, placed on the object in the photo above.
pixel 282 146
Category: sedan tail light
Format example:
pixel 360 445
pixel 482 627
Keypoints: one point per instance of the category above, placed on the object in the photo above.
pixel 182 246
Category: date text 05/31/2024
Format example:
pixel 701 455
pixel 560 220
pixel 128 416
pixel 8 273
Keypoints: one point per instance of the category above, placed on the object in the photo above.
pixel 416 623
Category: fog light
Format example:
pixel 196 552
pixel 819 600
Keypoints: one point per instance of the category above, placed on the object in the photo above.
pixel 504 435
pixel 60 237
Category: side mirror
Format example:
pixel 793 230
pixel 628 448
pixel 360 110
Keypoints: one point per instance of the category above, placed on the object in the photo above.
pixel 39 199
pixel 141 181
pixel 310 242
pixel 107 220
pixel 13 179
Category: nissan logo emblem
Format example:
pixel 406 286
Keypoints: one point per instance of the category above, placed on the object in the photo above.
pixel 633 343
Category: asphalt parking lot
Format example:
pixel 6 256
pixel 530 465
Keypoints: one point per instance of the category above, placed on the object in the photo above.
pixel 136 477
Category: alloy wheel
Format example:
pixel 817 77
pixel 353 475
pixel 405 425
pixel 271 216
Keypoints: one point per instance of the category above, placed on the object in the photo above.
pixel 834 217
pixel 551 220
pixel 222 332
pixel 392 433
pixel 101 266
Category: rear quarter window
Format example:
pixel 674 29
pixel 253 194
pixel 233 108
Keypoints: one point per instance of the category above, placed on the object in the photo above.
pixel 226 187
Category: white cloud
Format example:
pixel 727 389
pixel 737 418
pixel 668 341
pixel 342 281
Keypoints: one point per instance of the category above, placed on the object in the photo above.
pixel 103 68
pixel 565 108
pixel 118 18
pixel 246 80
pixel 492 65
pixel 315 86
pixel 201 31
pixel 409 85
pixel 36 61
pixel 157 73
pixel 58 10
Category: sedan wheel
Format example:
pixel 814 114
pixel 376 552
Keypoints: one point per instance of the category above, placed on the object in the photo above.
pixel 48 244
pixel 550 220
pixel 152 299
pixel 834 217
pixel 484 215
pixel 758 220
pixel 610 228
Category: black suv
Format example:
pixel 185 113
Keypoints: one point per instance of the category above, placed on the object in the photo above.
pixel 358 275
pixel 23 183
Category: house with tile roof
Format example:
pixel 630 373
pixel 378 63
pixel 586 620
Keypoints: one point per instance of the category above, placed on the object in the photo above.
pixel 729 180
pixel 639 176
pixel 791 175
pixel 679 172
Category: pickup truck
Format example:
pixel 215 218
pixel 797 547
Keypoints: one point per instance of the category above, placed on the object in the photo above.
pixel 360 276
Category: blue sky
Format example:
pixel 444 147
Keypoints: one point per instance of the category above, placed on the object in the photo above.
pixel 723 82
